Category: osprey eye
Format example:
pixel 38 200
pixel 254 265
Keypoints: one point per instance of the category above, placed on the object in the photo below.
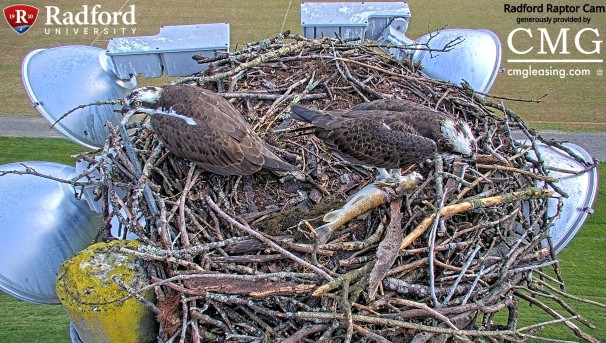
pixel 137 103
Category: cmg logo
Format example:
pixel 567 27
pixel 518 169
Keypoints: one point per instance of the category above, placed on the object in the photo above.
pixel 558 45
pixel 20 17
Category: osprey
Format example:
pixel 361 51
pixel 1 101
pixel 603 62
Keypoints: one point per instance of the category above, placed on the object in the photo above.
pixel 201 126
pixel 389 133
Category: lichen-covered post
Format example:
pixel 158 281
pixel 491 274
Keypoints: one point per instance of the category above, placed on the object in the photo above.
pixel 94 301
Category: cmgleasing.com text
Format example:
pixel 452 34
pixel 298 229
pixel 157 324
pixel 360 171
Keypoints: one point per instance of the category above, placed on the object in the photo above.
pixel 531 71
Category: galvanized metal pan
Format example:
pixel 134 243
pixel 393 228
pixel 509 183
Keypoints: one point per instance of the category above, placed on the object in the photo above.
pixel 578 181
pixel 62 78
pixel 42 223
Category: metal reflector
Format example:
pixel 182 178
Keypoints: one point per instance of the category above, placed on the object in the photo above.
pixel 578 181
pixel 42 225
pixel 475 58
pixel 62 78
pixel 452 55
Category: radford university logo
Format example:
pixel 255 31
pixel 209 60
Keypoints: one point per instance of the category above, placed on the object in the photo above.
pixel 20 17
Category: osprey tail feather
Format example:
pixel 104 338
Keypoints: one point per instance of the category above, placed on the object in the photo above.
pixel 273 162
pixel 304 114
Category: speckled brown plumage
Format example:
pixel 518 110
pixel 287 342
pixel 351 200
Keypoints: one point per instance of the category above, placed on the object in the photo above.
pixel 382 133
pixel 221 141
pixel 426 122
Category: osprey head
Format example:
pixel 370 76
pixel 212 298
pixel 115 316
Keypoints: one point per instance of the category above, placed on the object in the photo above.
pixel 458 137
pixel 144 100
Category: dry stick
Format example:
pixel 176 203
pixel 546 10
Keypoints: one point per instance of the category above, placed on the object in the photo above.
pixel 406 267
pixel 272 108
pixel 545 339
pixel 190 181
pixel 463 271
pixel 428 309
pixel 370 335
pixel 394 323
pixel 568 295
pixel 516 170
pixel 353 85
pixel 349 277
pixel 151 203
pixel 31 171
pixel 264 239
pixel 168 259
pixel 534 293
pixel 136 295
pixel 473 185
pixel 361 84
pixel 184 319
pixel 268 96
pixel 97 103
pixel 575 329
pixel 184 253
pixel 266 327
pixel 195 312
pixel 473 286
pixel 440 194
pixel 304 332
pixel 385 71
pixel 346 306
pixel 257 61
pixel 450 210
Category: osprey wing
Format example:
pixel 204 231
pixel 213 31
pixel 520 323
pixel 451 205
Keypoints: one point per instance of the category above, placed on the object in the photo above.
pixel 397 105
pixel 368 142
pixel 215 136
pixel 426 121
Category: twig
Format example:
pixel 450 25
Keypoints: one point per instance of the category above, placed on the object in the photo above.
pixel 265 240
pixel 96 103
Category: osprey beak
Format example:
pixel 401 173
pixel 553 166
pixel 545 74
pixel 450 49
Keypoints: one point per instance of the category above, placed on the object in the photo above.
pixel 125 109
pixel 127 114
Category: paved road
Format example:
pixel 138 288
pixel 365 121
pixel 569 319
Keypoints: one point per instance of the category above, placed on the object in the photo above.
pixel 36 126
pixel 26 126
pixel 593 142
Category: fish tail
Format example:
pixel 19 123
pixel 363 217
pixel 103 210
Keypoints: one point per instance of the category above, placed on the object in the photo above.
pixel 324 232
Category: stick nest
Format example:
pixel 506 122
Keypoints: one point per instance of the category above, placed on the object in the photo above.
pixel 235 258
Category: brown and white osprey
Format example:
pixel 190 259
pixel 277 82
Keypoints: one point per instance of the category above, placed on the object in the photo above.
pixel 201 126
pixel 389 134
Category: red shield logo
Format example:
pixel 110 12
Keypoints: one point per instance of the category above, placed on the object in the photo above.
pixel 21 17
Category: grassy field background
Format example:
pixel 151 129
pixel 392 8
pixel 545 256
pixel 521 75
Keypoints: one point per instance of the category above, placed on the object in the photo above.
pixel 574 103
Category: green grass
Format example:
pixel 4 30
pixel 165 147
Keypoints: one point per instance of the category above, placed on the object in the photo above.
pixel 571 103
pixel 19 149
pixel 32 323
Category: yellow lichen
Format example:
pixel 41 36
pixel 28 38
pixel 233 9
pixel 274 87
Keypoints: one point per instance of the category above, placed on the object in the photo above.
pixel 95 302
